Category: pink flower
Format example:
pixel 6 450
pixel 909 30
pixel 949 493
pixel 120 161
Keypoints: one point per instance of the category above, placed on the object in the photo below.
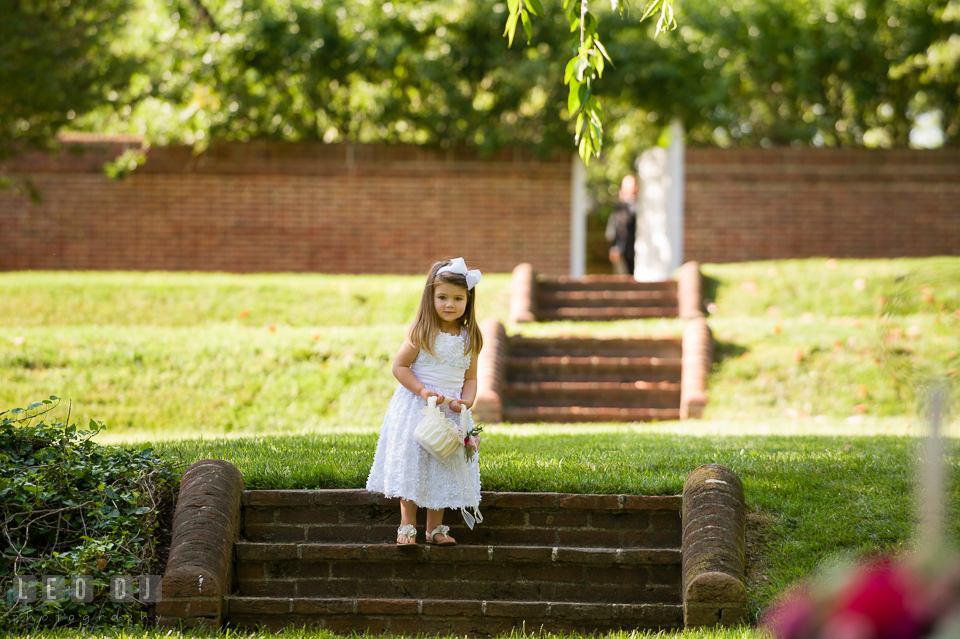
pixel 472 442
pixel 886 597
pixel 792 617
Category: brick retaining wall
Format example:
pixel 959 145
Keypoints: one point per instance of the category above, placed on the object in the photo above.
pixel 760 204
pixel 273 207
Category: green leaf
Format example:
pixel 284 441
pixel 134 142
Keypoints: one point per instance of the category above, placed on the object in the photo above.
pixel 527 27
pixel 568 71
pixel 598 64
pixel 650 9
pixel 573 100
pixel 535 7
pixel 109 492
pixel 511 29
pixel 602 50
pixel 142 510
pixel 512 6
pixel 580 121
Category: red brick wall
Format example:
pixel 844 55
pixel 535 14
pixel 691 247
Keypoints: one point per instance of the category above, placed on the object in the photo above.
pixel 290 207
pixel 759 204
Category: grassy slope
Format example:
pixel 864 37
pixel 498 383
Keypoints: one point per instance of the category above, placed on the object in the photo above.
pixel 801 337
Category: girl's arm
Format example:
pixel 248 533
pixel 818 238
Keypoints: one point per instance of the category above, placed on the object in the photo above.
pixel 469 393
pixel 401 370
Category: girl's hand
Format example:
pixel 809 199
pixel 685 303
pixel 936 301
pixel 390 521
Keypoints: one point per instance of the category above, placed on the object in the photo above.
pixel 457 404
pixel 426 393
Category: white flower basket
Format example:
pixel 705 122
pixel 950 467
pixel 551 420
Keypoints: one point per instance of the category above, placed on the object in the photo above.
pixel 437 434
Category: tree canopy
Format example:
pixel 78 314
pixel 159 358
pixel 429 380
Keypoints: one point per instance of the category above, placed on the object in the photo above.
pixel 438 72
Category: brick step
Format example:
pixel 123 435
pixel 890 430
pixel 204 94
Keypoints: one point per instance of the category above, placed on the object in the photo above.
pixel 516 573
pixel 605 313
pixel 468 617
pixel 602 282
pixel 510 519
pixel 624 370
pixel 594 394
pixel 571 414
pixel 598 346
pixel 606 298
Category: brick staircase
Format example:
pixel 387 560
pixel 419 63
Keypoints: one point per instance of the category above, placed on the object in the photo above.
pixel 555 562
pixel 581 379
pixel 571 379
pixel 604 298
pixel 539 561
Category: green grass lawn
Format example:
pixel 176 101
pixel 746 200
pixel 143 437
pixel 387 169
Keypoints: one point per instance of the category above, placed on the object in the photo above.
pixel 814 393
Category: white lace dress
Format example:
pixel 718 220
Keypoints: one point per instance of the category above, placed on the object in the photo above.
pixel 401 468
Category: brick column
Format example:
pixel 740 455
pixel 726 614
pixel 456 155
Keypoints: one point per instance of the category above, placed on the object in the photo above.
pixel 689 293
pixel 206 524
pixel 697 360
pixel 491 368
pixel 714 548
pixel 523 294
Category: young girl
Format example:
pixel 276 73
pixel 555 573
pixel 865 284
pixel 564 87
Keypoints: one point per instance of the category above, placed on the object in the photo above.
pixel 438 358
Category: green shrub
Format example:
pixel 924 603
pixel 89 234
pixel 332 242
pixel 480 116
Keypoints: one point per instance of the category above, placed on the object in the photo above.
pixel 70 507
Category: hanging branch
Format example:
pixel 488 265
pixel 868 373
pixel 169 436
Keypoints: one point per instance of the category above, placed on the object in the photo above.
pixel 587 65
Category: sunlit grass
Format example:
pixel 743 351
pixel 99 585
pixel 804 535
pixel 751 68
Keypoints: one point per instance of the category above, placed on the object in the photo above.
pixel 217 354
pixel 41 298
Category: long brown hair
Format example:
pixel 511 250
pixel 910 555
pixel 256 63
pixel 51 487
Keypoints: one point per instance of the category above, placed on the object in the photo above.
pixel 423 333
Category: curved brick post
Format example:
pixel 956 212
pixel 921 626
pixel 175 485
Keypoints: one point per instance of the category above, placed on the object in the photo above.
pixel 714 548
pixel 523 294
pixel 491 368
pixel 206 524
pixel 689 291
pixel 696 362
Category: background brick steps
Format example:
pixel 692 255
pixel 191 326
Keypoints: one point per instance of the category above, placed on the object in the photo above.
pixel 529 379
pixel 571 414
pixel 605 313
pixel 602 283
pixel 623 370
pixel 607 298
pixel 604 298
pixel 597 394
pixel 443 616
pixel 599 346
pixel 591 379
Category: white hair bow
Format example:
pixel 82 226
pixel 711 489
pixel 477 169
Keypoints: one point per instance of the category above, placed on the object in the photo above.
pixel 458 266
